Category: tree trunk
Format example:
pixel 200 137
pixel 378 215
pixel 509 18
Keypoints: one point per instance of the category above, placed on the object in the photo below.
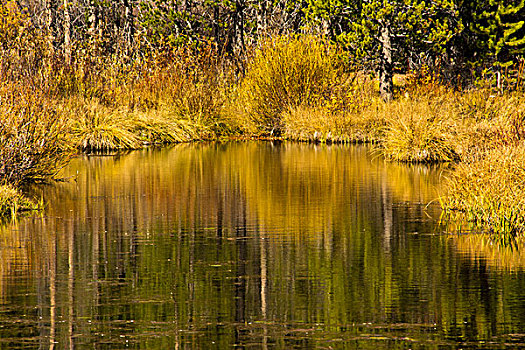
pixel 129 26
pixel 50 25
pixel 239 26
pixel 262 19
pixel 216 28
pixel 386 68
pixel 67 33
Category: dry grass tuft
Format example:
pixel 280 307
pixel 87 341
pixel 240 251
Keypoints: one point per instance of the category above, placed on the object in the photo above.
pixel 96 127
pixel 490 192
pixel 418 132
pixel 153 128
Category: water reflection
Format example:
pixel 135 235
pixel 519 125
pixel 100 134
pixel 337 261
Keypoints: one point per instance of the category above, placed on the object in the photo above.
pixel 248 244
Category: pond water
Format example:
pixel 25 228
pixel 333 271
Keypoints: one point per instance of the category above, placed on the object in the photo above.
pixel 252 245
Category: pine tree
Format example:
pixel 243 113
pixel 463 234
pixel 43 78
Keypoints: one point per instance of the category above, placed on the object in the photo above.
pixel 503 25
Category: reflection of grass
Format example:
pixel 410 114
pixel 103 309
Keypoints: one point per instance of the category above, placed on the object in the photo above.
pixel 313 178
pixel 479 246
pixel 417 183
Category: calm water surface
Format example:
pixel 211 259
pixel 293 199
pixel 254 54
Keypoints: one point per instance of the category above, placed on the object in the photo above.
pixel 252 245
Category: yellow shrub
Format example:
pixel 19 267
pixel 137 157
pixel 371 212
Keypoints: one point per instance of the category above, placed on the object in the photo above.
pixel 287 72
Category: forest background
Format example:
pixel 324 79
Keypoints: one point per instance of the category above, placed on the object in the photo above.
pixel 425 81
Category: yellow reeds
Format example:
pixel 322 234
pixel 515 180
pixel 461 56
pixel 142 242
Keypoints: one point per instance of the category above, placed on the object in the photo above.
pixel 12 202
pixel 490 192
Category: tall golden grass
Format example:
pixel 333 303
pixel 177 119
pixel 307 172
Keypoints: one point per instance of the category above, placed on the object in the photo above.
pixel 489 193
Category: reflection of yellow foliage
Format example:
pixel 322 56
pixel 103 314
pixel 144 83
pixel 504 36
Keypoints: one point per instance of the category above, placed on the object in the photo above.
pixel 303 191
pixel 15 258
pixel 414 183
pixel 480 246
pixel 315 186
pixel 334 214
pixel 283 186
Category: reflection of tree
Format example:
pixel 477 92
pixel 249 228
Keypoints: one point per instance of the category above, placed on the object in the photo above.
pixel 249 242
pixel 241 274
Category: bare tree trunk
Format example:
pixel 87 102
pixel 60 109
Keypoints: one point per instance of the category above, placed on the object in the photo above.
pixel 325 27
pixel 93 18
pixel 216 28
pixel 386 74
pixel 50 25
pixel 129 26
pixel 239 26
pixel 187 6
pixel 67 33
pixel 262 19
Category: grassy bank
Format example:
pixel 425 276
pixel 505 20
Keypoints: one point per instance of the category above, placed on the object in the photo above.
pixel 294 87
pixel 489 193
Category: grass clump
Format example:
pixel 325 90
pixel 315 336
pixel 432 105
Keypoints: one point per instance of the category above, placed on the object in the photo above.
pixel 418 132
pixel 490 192
pixel 96 127
pixel 12 202
pixel 285 73
pixel 161 129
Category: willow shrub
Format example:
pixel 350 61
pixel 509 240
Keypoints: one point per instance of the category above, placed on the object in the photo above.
pixel 34 142
pixel 186 88
pixel 287 72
